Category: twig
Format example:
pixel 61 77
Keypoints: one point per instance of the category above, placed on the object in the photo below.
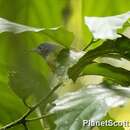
pixel 25 126
pixel 12 124
pixel 38 118
pixel 23 119
pixel 24 102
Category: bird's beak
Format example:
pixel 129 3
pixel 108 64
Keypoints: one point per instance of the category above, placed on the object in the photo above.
pixel 32 50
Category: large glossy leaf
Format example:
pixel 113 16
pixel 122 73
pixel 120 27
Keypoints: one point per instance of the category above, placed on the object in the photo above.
pixel 116 74
pixel 119 46
pixel 25 77
pixel 58 34
pixel 75 70
pixel 115 61
pixel 27 82
pixel 106 27
pixel 89 103
pixel 7 26
pixel 10 103
pixel 14 47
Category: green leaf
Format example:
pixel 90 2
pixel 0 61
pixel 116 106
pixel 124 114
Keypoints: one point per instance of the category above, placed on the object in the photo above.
pixel 119 46
pixel 115 61
pixel 105 48
pixel 9 102
pixel 89 103
pixel 7 26
pixel 27 82
pixel 106 27
pixel 58 34
pixel 13 47
pixel 118 75
pixel 125 29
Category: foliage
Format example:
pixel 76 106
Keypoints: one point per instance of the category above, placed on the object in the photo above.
pixel 77 106
pixel 29 83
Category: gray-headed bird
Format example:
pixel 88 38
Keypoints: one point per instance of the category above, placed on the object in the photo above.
pixel 58 58
pixel 49 52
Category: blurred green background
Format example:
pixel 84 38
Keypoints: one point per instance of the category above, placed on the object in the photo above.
pixel 43 13
pixel 105 7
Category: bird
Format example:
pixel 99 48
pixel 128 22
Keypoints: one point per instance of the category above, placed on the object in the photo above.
pixel 57 56
pixel 49 51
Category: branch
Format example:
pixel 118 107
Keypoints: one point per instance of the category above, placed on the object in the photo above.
pixel 12 124
pixel 23 119
pixel 38 118
pixel 25 126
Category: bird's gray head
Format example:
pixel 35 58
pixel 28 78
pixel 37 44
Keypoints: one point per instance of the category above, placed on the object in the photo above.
pixel 45 49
